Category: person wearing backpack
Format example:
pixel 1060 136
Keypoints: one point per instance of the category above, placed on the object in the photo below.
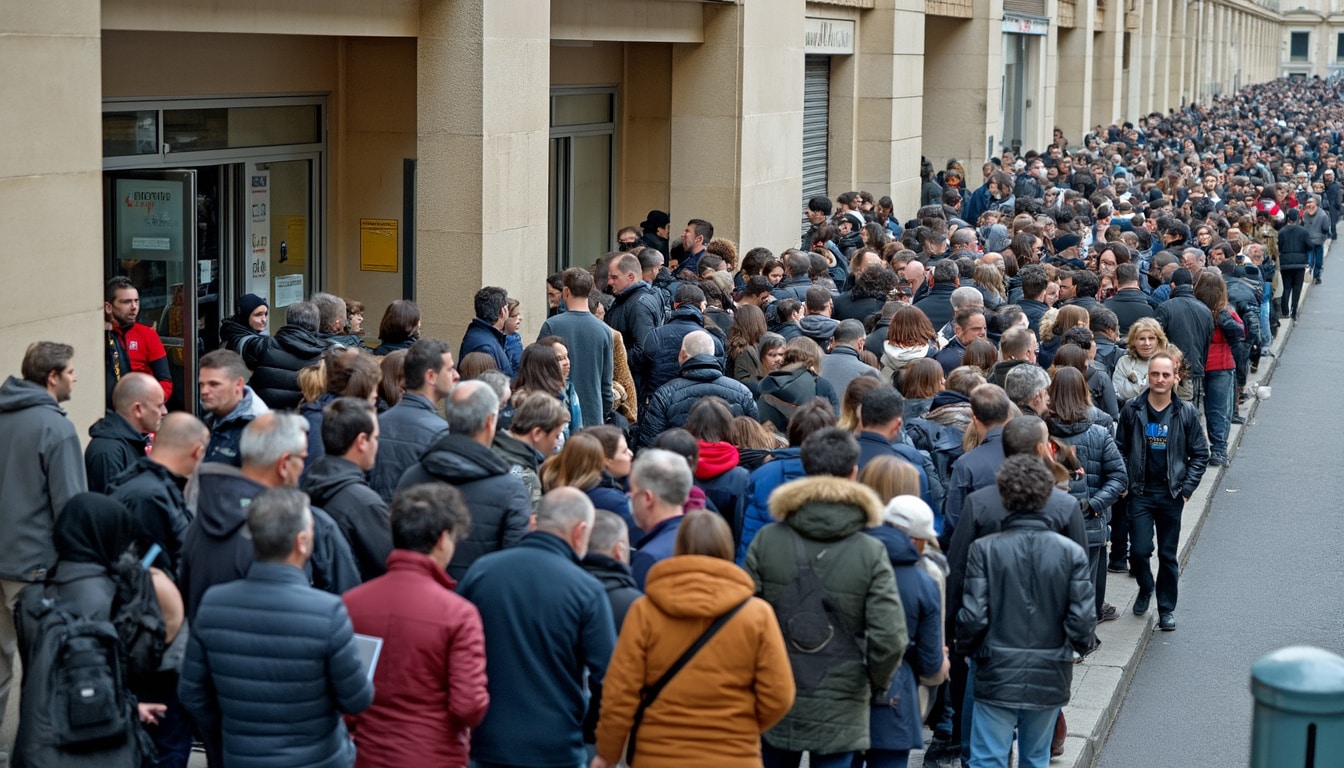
pixel 835 596
pixel 99 626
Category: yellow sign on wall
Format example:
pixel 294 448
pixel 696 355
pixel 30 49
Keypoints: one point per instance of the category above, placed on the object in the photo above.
pixel 378 245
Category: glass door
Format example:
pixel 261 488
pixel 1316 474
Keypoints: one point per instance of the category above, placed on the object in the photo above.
pixel 279 213
pixel 583 132
pixel 152 238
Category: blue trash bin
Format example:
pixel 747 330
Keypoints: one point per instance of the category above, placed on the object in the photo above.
pixel 1299 709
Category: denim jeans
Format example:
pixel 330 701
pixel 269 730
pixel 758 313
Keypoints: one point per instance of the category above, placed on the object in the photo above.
pixel 1160 513
pixel 784 758
pixel 1316 259
pixel 1220 398
pixel 1267 297
pixel 992 736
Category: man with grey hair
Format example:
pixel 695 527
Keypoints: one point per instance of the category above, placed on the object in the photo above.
pixel 499 501
pixel 331 319
pixel 276 360
pixel 1028 387
pixel 1319 229
pixel 546 621
pixel 241 629
pixel 216 549
pixel 660 483
pixel 701 376
pixel 965 296
pixel 842 364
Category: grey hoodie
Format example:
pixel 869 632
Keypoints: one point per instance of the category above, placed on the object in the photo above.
pixel 43 467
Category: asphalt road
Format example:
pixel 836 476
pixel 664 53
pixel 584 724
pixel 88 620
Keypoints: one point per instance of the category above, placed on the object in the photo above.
pixel 1265 572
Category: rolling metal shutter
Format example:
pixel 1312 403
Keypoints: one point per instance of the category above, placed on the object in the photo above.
pixel 1026 7
pixel 816 125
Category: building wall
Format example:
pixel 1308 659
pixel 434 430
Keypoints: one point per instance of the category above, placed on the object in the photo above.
pixel 1323 20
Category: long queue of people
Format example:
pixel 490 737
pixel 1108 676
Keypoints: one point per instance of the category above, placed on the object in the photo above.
pixel 881 481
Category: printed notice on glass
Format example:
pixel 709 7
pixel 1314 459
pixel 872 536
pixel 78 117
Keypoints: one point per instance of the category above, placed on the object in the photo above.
pixel 259 231
pixel 288 290
pixel 149 219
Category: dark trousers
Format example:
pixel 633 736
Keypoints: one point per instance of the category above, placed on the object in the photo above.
pixel 773 757
pixel 1292 291
pixel 1120 531
pixel 1096 560
pixel 1158 513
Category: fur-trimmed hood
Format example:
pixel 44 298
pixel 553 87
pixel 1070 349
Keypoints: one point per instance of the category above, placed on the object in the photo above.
pixel 826 508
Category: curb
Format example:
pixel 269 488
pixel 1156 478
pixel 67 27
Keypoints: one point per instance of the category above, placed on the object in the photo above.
pixel 1102 680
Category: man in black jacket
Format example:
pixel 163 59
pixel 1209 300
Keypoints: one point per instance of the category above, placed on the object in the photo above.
pixel 1129 302
pixel 701 376
pixel 1035 282
pixel 1166 454
pixel 1028 604
pixel 638 308
pixel 336 482
pixel 122 436
pixel 151 488
pixel 1188 324
pixel 937 305
pixel 276 360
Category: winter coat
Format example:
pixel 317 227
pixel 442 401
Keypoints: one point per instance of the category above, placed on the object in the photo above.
pixel 634 314
pixel 1294 247
pixel 842 366
pixel 312 413
pixel 878 337
pixel 1228 335
pixel 1029 605
pixel 830 514
pixel 276 361
pixel 499 503
pixel 950 409
pixel 1318 227
pixel 818 328
pixel 1103 468
pixel 849 307
pixel 895 717
pixel 546 622
pixel 623 390
pixel 724 482
pixel 226 432
pixel 113 446
pixel 339 488
pixel 618 581
pixel 894 358
pixel 153 494
pixel 271 666
pixel 405 431
pixel 590 345
pixel 388 347
pixel 1130 378
pixel 791 387
pixel 785 467
pixel 1187 446
pixel 974 470
pixel 1188 325
pixel 937 304
pixel 524 463
pixel 655 546
pixel 659 350
pixel 701 376
pixel 737 686
pixel 1129 305
pixel 481 336
pixel 1101 389
pixel 872 445
pixel 234 332
pixel 793 288
pixel 1034 310
pixel 43 467
pixel 430 679
pixel 216 549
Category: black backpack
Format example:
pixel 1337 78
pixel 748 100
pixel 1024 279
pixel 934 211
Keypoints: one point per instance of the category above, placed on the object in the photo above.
pixel 137 618
pixel 940 443
pixel 816 634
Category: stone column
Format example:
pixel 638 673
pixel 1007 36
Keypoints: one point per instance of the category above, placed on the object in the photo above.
pixel 891 102
pixel 1107 53
pixel 483 122
pixel 737 123
pixel 53 163
pixel 962 86
pixel 1073 96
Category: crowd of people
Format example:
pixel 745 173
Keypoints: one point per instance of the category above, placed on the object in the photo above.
pixel 724 510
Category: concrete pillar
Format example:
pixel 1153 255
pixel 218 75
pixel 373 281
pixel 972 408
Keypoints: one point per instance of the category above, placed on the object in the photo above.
pixel 1073 94
pixel 962 86
pixel 483 123
pixel 1107 59
pixel 890 107
pixel 51 56
pixel 737 123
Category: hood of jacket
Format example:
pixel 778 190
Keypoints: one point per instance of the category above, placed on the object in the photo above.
pixel 219 488
pixel 629 294
pixel 516 451
pixel 248 408
pixel 781 381
pixel 314 409
pixel 456 459
pixel 17 394
pixel 114 426
pixel 611 572
pixel 818 326
pixel 900 549
pixel 701 368
pixel 301 342
pixel 1060 429
pixel 697 586
pixel 948 397
pixel 687 313
pixel 826 508
pixel 328 476
pixel 899 356
pixel 715 459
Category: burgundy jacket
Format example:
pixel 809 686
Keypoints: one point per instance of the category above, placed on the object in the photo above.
pixel 429 685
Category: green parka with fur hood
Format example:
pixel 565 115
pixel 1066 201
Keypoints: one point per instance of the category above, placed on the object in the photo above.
pixel 831 514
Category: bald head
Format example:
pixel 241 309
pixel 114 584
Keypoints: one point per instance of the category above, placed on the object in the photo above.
pixel 696 343
pixel 138 398
pixel 180 443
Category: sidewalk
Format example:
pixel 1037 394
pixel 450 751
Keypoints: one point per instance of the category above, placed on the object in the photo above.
pixel 1100 682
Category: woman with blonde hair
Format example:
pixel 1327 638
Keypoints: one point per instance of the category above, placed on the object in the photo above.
pixel 738 686
pixel 890 477
pixel 990 281
pixel 849 404
pixel 1131 371
pixel 578 465
pixel 797 381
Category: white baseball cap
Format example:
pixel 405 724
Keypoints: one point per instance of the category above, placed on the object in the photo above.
pixel 912 515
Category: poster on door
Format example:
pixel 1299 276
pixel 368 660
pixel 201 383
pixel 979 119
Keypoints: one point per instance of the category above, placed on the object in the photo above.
pixel 259 231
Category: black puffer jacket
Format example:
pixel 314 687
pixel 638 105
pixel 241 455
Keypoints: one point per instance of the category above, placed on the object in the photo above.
pixel 113 446
pixel 1023 639
pixel 1103 467
pixel 499 502
pixel 636 311
pixel 339 487
pixel 276 362
pixel 701 377
pixel 1294 247
pixel 153 494
pixel 1189 325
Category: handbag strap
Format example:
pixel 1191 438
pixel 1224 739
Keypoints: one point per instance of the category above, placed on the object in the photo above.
pixel 650 694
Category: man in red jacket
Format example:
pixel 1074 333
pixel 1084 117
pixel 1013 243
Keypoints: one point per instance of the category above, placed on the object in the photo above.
pixel 131 346
pixel 430 679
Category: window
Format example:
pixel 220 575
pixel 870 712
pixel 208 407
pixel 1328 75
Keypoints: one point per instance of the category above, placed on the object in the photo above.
pixel 1339 47
pixel 583 140
pixel 1298 43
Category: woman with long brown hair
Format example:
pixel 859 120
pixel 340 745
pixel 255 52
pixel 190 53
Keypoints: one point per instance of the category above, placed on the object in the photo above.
pixel 909 337
pixel 1220 376
pixel 743 338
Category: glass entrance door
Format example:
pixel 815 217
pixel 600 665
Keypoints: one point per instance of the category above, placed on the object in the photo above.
pixel 152 238
pixel 279 212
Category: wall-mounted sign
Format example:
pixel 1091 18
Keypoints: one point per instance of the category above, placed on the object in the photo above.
pixel 1025 25
pixel 828 36
pixel 259 246
pixel 378 245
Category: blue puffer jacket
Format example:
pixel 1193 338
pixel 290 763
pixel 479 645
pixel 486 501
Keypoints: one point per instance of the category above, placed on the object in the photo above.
pixel 659 349
pixel 405 432
pixel 271 666
pixel 787 465
pixel 701 377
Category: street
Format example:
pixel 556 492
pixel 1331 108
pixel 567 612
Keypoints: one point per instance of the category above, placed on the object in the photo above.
pixel 1265 572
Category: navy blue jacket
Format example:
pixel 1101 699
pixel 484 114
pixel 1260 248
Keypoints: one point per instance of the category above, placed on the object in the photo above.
pixel 484 337
pixel 405 432
pixel 609 494
pixel 872 445
pixel 659 349
pixel 270 667
pixel 974 470
pixel 656 546
pixel 701 376
pixel 226 433
pixel 546 621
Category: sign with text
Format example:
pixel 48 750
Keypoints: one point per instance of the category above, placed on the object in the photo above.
pixel 259 232
pixel 149 219
pixel 378 245
pixel 828 36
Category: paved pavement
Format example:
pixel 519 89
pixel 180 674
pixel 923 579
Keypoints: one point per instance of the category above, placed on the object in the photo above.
pixel 1266 573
